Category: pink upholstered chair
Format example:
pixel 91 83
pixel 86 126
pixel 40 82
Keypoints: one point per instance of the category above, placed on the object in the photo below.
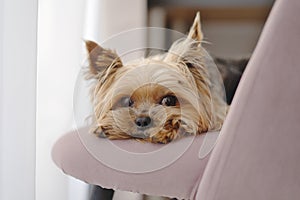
pixel 257 155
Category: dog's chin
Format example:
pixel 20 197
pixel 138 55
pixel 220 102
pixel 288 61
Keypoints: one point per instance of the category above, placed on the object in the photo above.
pixel 161 137
pixel 140 134
pixel 174 127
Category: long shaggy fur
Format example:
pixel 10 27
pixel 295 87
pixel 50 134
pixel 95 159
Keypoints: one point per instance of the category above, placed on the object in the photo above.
pixel 185 72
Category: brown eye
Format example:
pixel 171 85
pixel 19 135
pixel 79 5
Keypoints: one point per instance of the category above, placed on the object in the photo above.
pixel 126 102
pixel 169 100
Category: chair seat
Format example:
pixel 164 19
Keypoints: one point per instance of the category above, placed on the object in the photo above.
pixel 183 173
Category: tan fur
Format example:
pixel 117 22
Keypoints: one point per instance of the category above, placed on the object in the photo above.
pixel 182 72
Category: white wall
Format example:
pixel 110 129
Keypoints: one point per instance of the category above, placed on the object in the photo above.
pixel 18 26
pixel 106 18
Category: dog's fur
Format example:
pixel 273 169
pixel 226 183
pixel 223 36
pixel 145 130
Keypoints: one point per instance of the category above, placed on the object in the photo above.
pixel 174 94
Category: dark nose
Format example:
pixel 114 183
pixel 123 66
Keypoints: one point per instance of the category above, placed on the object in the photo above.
pixel 143 122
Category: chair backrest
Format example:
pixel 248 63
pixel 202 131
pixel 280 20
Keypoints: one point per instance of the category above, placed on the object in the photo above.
pixel 258 153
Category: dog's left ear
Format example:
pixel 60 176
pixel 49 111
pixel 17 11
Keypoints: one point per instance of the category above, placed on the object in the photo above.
pixel 195 32
pixel 187 49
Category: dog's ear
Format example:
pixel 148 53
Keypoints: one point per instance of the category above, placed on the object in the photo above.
pixel 195 32
pixel 189 48
pixel 189 53
pixel 101 61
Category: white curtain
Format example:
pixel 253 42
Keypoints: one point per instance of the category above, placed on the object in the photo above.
pixel 60 27
pixel 18 31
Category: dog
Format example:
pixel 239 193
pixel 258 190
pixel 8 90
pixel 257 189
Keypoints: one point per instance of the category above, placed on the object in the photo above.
pixel 159 98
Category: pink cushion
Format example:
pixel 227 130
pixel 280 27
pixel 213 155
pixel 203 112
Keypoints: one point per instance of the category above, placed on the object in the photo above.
pixel 179 177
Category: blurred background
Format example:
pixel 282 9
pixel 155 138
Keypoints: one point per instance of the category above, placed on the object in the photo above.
pixel 48 35
pixel 230 27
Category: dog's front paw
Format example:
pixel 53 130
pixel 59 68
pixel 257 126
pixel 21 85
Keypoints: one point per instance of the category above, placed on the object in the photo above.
pixel 99 132
pixel 163 137
pixel 160 140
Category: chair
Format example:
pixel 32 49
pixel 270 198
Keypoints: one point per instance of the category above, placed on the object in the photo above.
pixel 257 155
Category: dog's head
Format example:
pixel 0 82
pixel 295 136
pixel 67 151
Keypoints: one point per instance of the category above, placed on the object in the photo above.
pixel 158 98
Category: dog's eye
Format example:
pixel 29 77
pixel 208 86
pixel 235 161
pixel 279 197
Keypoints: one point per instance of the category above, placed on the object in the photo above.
pixel 126 102
pixel 169 100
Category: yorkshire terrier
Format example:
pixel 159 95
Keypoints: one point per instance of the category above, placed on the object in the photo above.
pixel 159 98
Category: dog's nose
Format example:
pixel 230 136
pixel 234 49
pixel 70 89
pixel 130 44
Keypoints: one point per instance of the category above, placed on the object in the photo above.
pixel 143 122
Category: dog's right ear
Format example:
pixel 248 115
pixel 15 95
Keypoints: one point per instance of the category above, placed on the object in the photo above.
pixel 102 62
